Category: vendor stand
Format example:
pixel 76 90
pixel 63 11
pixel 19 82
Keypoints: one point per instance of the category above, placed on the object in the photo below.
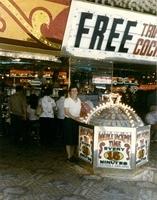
pixel 114 136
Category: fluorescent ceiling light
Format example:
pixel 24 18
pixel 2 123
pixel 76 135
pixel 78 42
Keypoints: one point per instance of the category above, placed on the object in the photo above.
pixel 29 55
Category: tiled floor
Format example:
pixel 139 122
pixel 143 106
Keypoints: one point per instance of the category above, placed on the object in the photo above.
pixel 32 172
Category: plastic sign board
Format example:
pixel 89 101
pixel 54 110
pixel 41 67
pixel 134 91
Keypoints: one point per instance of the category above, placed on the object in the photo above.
pixel 36 24
pixel 142 145
pixel 100 32
pixel 86 139
pixel 114 147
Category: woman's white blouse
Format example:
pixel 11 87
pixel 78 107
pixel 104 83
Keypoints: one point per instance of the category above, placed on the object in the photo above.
pixel 73 106
pixel 48 104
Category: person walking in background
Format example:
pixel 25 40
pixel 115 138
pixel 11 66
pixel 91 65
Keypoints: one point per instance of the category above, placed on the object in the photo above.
pixel 60 115
pixel 72 108
pixel 33 119
pixel 151 119
pixel 17 109
pixel 46 118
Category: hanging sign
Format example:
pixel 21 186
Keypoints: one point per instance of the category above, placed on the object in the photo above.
pixel 37 23
pixel 100 32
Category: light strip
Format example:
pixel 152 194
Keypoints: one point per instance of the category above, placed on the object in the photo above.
pixel 29 55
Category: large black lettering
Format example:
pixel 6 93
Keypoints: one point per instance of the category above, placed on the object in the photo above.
pixel 126 36
pixel 99 30
pixel 81 30
pixel 145 47
pixel 150 49
pixel 138 46
pixel 113 34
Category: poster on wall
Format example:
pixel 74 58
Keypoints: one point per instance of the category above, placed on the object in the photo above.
pixel 142 145
pixel 36 23
pixel 86 139
pixel 102 32
pixel 114 147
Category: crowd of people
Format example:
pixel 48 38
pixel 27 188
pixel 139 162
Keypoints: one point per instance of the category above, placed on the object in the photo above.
pixel 47 119
pixel 50 120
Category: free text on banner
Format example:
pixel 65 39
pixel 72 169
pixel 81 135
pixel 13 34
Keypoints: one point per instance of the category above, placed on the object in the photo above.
pixel 104 32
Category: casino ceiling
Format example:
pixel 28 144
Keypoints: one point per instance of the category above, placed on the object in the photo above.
pixel 144 6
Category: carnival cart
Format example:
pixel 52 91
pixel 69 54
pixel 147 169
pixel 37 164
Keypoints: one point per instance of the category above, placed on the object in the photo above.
pixel 113 136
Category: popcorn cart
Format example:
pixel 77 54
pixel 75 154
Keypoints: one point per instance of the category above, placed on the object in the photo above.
pixel 113 136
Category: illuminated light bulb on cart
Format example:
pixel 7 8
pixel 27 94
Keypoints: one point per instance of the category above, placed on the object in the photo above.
pixel 113 109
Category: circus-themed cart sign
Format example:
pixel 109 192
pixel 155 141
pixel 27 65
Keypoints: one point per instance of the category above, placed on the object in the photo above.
pixel 38 23
pixel 112 135
pixel 114 147
pixel 86 140
pixel 142 145
pixel 102 32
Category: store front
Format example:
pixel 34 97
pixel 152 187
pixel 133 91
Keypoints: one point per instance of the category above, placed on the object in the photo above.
pixel 31 55
pixel 123 50
pixel 30 46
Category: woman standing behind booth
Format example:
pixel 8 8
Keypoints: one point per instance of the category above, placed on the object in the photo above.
pixel 46 118
pixel 33 119
pixel 72 108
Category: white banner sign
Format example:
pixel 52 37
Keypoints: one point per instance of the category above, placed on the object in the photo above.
pixel 100 32
pixel 114 147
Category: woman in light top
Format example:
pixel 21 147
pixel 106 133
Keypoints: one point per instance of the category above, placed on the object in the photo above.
pixel 46 118
pixel 72 108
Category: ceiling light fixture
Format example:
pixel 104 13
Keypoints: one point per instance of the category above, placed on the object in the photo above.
pixel 29 55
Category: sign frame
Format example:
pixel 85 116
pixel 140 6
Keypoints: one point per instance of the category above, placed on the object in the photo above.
pixel 117 34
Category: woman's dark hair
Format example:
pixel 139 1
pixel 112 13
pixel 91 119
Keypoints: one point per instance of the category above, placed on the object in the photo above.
pixel 61 93
pixel 19 88
pixel 33 101
pixel 72 87
pixel 48 91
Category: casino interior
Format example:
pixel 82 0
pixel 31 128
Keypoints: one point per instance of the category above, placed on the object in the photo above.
pixel 38 69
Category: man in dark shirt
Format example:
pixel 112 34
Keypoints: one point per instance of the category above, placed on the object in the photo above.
pixel 17 108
